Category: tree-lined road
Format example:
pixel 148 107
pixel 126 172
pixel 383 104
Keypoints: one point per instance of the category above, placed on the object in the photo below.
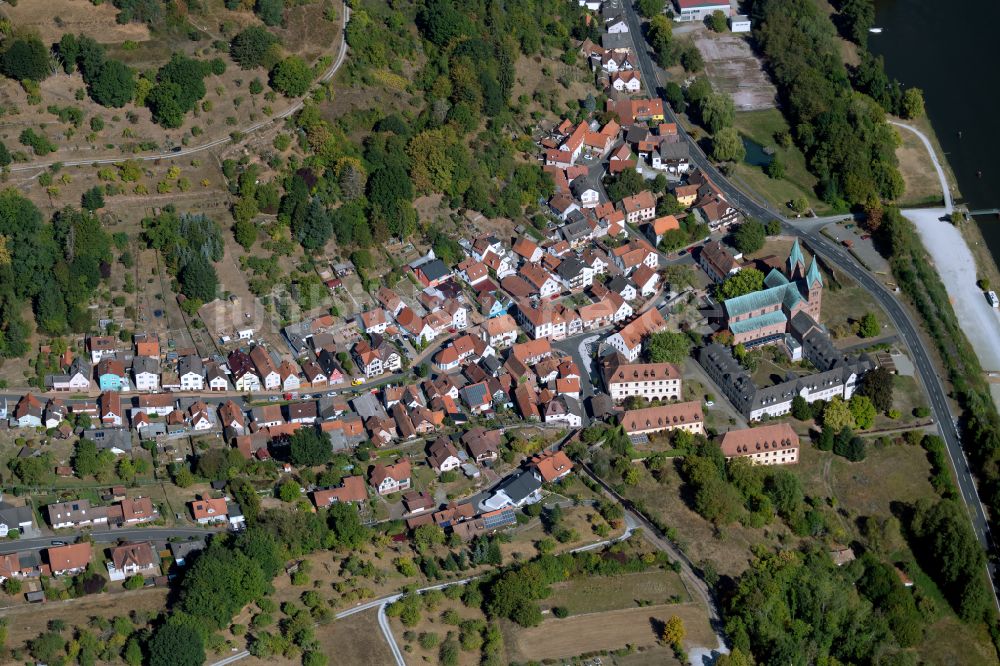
pixel 835 256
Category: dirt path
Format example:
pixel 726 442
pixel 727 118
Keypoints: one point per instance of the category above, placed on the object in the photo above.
pixel 338 61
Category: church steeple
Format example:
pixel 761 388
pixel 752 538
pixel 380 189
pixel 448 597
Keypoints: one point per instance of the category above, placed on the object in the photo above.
pixel 813 278
pixel 796 262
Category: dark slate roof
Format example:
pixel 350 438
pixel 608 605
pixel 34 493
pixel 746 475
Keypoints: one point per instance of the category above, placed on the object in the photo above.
pixel 519 485
pixel 581 185
pixel 367 405
pixel 12 516
pixel 570 268
pixel 186 364
pixel 435 269
pixel 618 283
pixel 110 438
pixel 674 151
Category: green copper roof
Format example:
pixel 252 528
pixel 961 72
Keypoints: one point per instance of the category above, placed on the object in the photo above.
pixel 755 300
pixel 813 276
pixel 752 324
pixel 775 279
pixel 795 258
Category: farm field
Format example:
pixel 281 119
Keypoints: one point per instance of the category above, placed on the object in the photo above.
pixel 607 630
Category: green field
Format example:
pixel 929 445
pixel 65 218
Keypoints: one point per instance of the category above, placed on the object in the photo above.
pixel 605 593
pixel 761 127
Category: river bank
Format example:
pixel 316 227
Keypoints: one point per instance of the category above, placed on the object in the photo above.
pixel 977 258
pixel 960 257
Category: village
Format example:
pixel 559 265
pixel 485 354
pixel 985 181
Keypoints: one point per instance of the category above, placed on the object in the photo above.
pixel 533 336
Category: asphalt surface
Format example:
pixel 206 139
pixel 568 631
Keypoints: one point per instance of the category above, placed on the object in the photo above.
pixel 109 536
pixel 835 256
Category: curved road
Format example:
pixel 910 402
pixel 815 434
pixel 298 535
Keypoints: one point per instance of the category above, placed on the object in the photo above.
pixel 948 204
pixel 832 253
pixel 327 75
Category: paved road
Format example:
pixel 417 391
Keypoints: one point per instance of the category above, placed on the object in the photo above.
pixel 383 624
pixel 109 536
pixel 835 256
pixel 383 621
pixel 326 76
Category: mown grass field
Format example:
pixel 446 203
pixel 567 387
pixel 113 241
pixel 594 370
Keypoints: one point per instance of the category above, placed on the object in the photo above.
pixel 761 127
pixel 594 595
pixel 609 630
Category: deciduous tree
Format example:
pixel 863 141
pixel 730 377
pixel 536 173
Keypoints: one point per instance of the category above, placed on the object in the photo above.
pixel 309 448
pixel 669 347
pixel 727 146
pixel 877 385
pixel 750 237
pixel 291 77
pixel 746 281
pixel 673 631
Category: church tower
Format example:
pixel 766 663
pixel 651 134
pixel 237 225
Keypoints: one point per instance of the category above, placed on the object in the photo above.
pixel 814 288
pixel 796 262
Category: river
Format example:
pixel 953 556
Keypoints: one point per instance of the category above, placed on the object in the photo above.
pixel 942 47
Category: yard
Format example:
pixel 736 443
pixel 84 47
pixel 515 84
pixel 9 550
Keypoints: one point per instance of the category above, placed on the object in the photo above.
pixel 727 549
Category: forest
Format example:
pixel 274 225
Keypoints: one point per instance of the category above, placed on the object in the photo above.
pixel 848 144
pixel 56 267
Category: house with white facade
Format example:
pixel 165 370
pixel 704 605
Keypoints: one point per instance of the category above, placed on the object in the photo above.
pixel 191 373
pixel 388 479
pixel 146 373
pixel 628 340
pixel 652 381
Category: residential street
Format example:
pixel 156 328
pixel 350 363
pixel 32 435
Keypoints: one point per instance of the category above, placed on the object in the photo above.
pixel 106 536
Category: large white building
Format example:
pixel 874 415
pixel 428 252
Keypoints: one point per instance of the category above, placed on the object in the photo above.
pixel 697 10
pixel 652 381
pixel 840 380
pixel 775 444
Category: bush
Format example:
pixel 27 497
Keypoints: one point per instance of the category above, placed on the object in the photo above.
pixel 133 582
pixel 270 12
pixel 38 142
pixel 560 611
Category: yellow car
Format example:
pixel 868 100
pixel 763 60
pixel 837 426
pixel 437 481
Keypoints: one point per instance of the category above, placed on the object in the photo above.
pixel 357 382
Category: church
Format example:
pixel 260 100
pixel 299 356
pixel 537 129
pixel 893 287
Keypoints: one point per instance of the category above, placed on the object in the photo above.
pixel 764 317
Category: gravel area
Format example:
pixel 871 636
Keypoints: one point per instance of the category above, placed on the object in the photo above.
pixel 957 268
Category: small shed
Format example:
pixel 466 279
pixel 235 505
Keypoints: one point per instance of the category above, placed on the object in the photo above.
pixel 739 23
